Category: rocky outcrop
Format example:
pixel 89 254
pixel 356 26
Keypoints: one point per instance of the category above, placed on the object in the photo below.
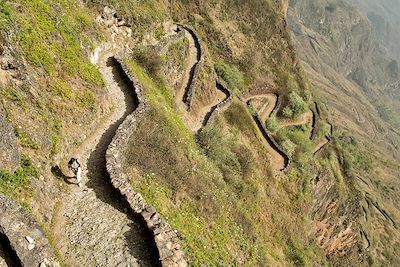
pixel 194 72
pixel 336 222
pixel 24 236
pixel 166 240
pixel 220 107
pixel 9 153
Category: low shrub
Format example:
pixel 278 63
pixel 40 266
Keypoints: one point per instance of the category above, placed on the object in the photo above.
pixel 231 75
pixel 296 106
pixel 272 124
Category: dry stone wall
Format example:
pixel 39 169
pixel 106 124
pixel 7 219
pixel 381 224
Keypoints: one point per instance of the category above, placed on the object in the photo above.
pixel 278 148
pixel 25 236
pixel 222 106
pixel 166 240
pixel 163 45
pixel 188 98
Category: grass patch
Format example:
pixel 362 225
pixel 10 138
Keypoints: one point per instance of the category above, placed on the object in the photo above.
pixel 87 100
pixel 12 184
pixel 25 140
pixel 5 14
pixel 56 129
pixel 231 75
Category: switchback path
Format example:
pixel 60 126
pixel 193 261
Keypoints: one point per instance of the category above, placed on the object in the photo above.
pixel 93 225
pixel 277 160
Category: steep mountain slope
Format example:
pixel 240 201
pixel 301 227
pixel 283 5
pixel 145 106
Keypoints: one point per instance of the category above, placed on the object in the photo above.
pixel 354 76
pixel 204 143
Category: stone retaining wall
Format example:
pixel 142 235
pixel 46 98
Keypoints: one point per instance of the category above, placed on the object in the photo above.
pixel 25 236
pixel 222 106
pixel 278 148
pixel 188 97
pixel 277 105
pixel 165 238
pixel 163 45
pixel 258 90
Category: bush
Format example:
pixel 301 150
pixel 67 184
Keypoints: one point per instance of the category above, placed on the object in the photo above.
pixel 296 106
pixel 289 147
pixel 272 124
pixel 231 75
pixel 219 148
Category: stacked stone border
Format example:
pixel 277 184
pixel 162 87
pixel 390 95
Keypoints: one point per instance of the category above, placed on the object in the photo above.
pixel 221 106
pixel 24 236
pixel 277 147
pixel 165 238
pixel 194 72
pixel 163 45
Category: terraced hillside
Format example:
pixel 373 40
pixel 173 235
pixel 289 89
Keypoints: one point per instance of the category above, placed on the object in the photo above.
pixel 201 140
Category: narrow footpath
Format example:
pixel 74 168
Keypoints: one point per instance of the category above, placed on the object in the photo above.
pixel 277 160
pixel 93 225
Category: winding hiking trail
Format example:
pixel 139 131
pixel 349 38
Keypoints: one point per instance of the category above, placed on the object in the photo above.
pixel 305 118
pixel 191 62
pixel 277 160
pixel 266 109
pixel 183 94
pixel 93 226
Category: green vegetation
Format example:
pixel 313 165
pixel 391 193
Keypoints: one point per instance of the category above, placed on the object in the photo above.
pixel 272 124
pixel 231 75
pixel 289 147
pixel 12 184
pixel 56 129
pixel 5 14
pixel 63 89
pixel 353 155
pixel 149 60
pixel 63 52
pixel 14 95
pixel 25 140
pixel 213 189
pixel 87 99
pixel 295 107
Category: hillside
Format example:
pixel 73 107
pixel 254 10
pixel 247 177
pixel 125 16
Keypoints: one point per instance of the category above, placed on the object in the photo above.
pixel 343 58
pixel 209 134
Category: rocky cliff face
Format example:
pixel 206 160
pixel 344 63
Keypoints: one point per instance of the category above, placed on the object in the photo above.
pixel 357 80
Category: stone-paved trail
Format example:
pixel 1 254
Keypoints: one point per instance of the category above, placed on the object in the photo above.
pixel 93 226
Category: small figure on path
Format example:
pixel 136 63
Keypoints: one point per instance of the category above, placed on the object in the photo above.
pixel 75 167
